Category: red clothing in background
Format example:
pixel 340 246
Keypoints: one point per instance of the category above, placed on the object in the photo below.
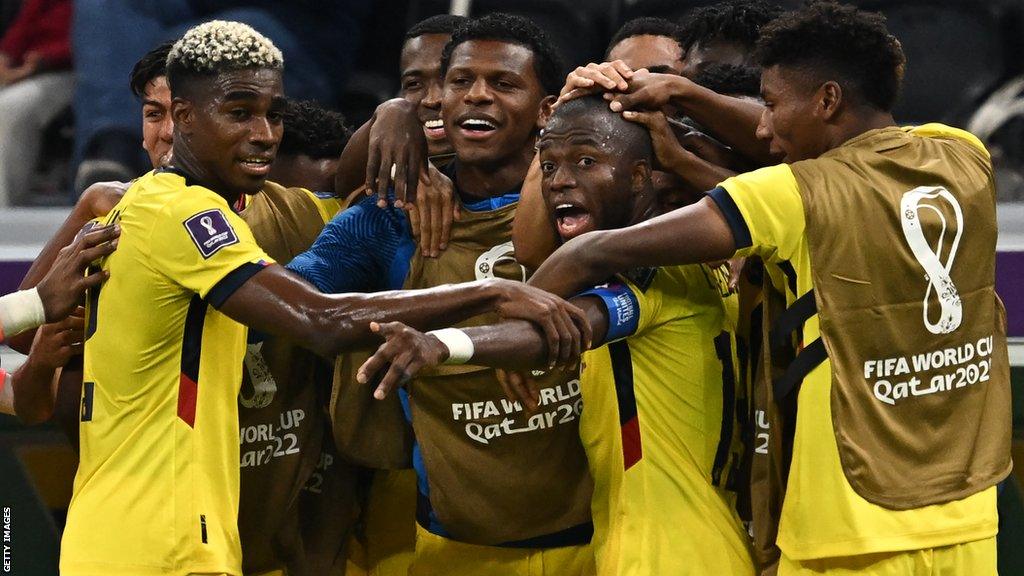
pixel 42 26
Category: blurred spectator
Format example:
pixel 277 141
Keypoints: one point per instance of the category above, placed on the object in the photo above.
pixel 319 40
pixel 36 84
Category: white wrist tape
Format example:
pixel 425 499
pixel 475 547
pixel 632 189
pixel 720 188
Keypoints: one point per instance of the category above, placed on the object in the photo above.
pixel 20 311
pixel 460 346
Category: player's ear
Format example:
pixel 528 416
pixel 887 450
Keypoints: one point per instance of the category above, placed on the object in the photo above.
pixel 640 177
pixel 829 96
pixel 182 113
pixel 545 111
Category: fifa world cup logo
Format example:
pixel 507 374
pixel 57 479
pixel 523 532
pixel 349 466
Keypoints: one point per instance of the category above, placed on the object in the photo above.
pixel 936 271
pixel 207 222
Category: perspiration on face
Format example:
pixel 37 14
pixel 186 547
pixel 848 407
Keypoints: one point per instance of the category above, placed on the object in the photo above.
pixel 589 157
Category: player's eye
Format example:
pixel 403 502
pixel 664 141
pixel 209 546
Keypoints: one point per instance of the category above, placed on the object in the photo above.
pixel 410 86
pixel 239 114
pixel 154 115
pixel 547 167
pixel 505 85
pixel 459 81
pixel 586 161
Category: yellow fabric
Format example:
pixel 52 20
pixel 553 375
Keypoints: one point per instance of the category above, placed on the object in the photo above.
pixel 327 206
pixel 437 555
pixel 146 477
pixel 662 514
pixel 822 516
pixel 976 558
pixel 390 521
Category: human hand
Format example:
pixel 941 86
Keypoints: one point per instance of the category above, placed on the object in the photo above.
pixel 403 354
pixel 648 91
pixel 397 152
pixel 566 328
pixel 667 148
pixel 432 211
pixel 56 343
pixel 12 74
pixel 63 286
pixel 595 78
pixel 519 387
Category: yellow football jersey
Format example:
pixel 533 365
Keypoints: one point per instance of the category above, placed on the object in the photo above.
pixel 157 485
pixel 657 425
pixel 822 515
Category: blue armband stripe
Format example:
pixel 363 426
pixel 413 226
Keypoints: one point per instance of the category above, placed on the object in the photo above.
pixel 623 310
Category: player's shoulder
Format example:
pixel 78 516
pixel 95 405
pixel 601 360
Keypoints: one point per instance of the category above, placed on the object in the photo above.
pixel 939 131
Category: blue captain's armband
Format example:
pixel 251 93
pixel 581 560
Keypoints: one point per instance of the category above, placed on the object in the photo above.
pixel 623 309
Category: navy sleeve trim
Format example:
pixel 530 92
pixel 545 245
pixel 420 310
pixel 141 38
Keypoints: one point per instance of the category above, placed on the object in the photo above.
pixel 232 282
pixel 623 310
pixel 740 231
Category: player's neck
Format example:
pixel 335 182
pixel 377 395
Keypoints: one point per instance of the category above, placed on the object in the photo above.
pixel 481 181
pixel 186 162
pixel 859 124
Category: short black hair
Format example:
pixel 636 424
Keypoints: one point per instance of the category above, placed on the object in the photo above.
pixel 736 21
pixel 150 67
pixel 547 63
pixel 438 24
pixel 634 140
pixel 649 26
pixel 852 46
pixel 313 131
pixel 730 79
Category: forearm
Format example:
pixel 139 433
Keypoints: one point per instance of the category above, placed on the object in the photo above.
pixel 731 120
pixel 276 302
pixel 20 311
pixel 34 392
pixel 533 235
pixel 697 172
pixel 695 233
pixel 352 164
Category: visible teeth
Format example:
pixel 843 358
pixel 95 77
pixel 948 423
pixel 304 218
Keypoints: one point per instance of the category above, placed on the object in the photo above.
pixel 256 161
pixel 471 124
pixel 562 206
pixel 432 124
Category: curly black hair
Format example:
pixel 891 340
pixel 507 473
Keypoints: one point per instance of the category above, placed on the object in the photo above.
pixel 730 79
pixel 547 62
pixel 829 39
pixel 151 66
pixel 313 131
pixel 736 21
pixel 646 25
pixel 438 24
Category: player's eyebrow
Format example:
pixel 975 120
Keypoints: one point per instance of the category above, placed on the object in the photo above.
pixel 241 94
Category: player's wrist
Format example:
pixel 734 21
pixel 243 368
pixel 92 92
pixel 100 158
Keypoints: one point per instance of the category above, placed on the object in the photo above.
pixel 458 344
pixel 21 311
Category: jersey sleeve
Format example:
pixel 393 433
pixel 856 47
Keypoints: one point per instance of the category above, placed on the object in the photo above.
pixel 353 251
pixel 764 211
pixel 200 244
pixel 327 204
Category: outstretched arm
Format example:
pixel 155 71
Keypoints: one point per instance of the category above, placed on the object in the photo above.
pixel 514 345
pixel 276 302
pixel 692 234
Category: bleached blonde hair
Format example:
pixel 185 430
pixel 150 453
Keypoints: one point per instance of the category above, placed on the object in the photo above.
pixel 220 46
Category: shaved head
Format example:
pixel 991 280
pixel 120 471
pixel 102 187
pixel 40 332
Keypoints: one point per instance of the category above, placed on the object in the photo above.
pixel 591 114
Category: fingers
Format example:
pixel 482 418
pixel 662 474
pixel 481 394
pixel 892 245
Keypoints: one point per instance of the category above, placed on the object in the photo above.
pixel 437 216
pixel 398 373
pixel 569 337
pixel 403 192
pixel 90 255
pixel 449 210
pixel 383 179
pixel 93 235
pixel 517 388
pixel 411 173
pixel 373 163
pixel 95 279
pixel 580 320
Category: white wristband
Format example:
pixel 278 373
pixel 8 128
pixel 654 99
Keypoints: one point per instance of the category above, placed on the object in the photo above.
pixel 460 346
pixel 20 311
pixel 6 393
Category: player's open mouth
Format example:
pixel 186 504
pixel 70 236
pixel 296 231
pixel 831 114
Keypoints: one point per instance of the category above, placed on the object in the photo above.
pixel 572 220
pixel 434 129
pixel 477 128
pixel 256 166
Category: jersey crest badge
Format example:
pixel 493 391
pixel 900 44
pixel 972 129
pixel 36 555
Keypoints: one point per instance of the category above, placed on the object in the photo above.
pixel 210 231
